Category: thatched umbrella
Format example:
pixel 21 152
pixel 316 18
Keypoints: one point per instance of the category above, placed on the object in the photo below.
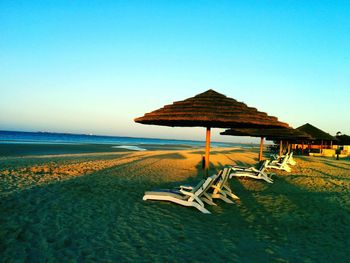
pixel 319 136
pixel 211 110
pixel 316 133
pixel 277 133
pixel 343 139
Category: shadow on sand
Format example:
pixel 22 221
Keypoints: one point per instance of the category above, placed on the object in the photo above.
pixel 101 217
pixel 169 156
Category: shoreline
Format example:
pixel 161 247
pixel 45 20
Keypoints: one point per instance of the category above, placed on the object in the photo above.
pixel 24 149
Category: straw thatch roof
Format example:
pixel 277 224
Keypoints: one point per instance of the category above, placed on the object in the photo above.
pixel 316 133
pixel 343 139
pixel 210 109
pixel 273 134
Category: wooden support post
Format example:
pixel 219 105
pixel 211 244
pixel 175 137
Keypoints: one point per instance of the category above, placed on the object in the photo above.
pixel 302 148
pixel 321 146
pixel 261 148
pixel 331 144
pixel 207 150
pixel 281 145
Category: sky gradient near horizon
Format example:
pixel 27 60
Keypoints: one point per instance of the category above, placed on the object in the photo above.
pixel 93 66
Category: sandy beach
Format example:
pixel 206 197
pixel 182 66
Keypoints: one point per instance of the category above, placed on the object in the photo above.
pixel 87 207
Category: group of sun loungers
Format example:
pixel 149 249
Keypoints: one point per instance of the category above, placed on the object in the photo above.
pixel 278 163
pixel 283 162
pixel 217 186
pixel 214 187
pixel 252 172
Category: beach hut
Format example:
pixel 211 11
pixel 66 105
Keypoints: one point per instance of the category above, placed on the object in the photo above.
pixel 210 109
pixel 320 139
pixel 279 134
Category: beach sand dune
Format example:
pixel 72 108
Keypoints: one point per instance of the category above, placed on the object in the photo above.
pixel 88 207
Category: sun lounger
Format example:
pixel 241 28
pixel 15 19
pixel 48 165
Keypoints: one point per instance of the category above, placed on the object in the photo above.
pixel 277 158
pixel 220 189
pixel 252 172
pixel 280 164
pixel 289 156
pixel 274 157
pixel 291 160
pixel 190 197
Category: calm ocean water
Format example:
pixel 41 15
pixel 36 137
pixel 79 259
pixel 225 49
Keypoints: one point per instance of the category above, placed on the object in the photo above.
pixel 62 138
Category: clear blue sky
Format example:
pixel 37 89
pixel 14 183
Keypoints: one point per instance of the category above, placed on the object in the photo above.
pixel 93 66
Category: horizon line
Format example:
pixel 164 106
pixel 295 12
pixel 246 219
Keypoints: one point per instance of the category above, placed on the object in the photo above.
pixel 100 135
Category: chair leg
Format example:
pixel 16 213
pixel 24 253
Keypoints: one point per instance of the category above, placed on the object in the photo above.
pixel 201 208
pixel 208 201
pixel 223 198
pixel 232 195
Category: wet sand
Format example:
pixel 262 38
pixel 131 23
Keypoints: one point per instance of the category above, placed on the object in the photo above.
pixel 88 207
pixel 25 149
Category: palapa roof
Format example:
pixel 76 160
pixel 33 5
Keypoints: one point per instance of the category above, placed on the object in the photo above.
pixel 316 133
pixel 273 134
pixel 343 139
pixel 210 109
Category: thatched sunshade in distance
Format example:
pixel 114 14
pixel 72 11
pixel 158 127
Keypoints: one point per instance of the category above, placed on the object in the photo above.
pixel 277 133
pixel 319 136
pixel 343 139
pixel 316 133
pixel 211 110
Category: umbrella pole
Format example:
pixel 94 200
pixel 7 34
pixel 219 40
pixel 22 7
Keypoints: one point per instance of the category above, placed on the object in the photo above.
pixel 280 154
pixel 207 150
pixel 261 148
pixel 302 148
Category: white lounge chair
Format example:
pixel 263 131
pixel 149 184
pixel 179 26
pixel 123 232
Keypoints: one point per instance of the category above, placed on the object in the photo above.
pixel 289 156
pixel 190 197
pixel 291 160
pixel 280 164
pixel 277 158
pixel 220 189
pixel 252 172
pixel 274 157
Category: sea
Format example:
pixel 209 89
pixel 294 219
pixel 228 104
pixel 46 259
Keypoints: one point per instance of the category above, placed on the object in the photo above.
pixel 20 137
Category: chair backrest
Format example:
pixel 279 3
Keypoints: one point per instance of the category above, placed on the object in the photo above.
pixel 221 180
pixel 263 165
pixel 204 185
pixel 274 157
pixel 224 177
pixel 218 178
pixel 285 160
